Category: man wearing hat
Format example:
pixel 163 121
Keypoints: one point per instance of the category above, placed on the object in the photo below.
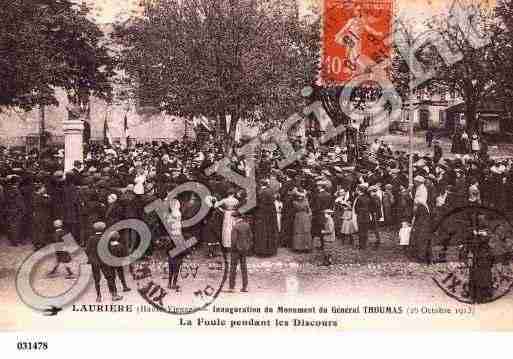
pixel 361 208
pixel 322 201
pixel 56 193
pixel 98 266
pixel 77 171
pixel 437 152
pixel 394 179
pixel 27 189
pixel 460 187
pixel 429 137
pixel 242 241
pixel 14 207
pixel 376 211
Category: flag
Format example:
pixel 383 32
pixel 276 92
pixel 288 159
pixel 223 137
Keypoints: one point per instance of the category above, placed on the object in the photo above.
pixel 238 131
pixel 125 132
pixel 228 123
pixel 125 125
pixel 204 122
pixel 201 121
pixel 107 139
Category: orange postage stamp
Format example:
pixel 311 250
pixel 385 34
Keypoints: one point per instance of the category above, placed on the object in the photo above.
pixel 353 30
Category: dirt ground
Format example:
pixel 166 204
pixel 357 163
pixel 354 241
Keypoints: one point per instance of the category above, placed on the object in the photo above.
pixel 400 142
pixel 372 278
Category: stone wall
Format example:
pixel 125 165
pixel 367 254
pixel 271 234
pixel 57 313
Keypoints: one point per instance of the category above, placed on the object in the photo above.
pixel 15 125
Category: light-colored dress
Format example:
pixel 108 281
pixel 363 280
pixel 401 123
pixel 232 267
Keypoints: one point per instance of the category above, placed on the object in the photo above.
pixel 328 232
pixel 279 208
pixel 348 226
pixel 404 235
pixel 174 221
pixel 230 204
pixel 139 183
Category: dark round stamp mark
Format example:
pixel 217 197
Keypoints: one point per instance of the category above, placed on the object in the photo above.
pixel 180 285
pixel 473 247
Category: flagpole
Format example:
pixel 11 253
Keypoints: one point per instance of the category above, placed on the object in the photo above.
pixel 106 131
pixel 125 130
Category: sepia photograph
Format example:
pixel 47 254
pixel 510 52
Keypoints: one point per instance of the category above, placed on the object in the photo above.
pixel 243 166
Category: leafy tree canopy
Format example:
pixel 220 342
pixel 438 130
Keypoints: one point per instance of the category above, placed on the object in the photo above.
pixel 244 58
pixel 48 44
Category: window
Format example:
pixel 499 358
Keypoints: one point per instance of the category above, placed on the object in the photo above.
pixel 424 119
pixel 442 118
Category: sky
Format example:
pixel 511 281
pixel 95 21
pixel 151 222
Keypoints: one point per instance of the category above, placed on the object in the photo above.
pixel 106 11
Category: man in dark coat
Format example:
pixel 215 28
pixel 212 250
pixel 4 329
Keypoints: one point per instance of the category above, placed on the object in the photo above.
pixel 98 266
pixel 266 223
pixel 27 191
pixel 437 152
pixel 322 201
pixel 72 207
pixel 287 210
pixel 429 137
pixel 375 214
pixel 362 208
pixel 421 232
pixel 129 205
pixel 42 223
pixel 77 171
pixel 482 260
pixel 14 210
pixel 163 172
pixel 114 212
pixel 189 209
pixel 118 249
pixel 56 193
pixel 242 240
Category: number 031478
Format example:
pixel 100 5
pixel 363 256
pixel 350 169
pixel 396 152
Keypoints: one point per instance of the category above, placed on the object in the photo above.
pixel 32 345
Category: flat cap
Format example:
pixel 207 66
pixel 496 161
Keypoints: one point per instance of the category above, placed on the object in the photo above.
pixel 99 226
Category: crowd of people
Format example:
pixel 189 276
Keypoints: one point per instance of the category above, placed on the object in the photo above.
pixel 329 196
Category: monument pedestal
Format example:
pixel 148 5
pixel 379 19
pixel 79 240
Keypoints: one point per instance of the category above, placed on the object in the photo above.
pixel 73 142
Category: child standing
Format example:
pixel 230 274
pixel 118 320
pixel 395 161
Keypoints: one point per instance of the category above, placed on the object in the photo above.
pixel 328 232
pixel 174 221
pixel 404 236
pixel 347 229
pixel 62 256
pixel 327 235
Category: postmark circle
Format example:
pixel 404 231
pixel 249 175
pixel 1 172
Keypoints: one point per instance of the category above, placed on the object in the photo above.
pixel 199 281
pixel 472 247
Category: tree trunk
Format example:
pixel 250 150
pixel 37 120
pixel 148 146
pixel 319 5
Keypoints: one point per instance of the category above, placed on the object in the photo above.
pixel 470 116
pixel 221 126
pixel 233 127
pixel 227 137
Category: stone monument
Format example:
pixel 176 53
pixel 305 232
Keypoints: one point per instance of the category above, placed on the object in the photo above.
pixel 73 129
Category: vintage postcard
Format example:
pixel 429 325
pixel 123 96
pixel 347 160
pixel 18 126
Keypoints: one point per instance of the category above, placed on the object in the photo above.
pixel 251 165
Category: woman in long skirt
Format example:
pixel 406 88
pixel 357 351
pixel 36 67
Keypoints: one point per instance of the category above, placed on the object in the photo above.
pixel 212 228
pixel 42 224
pixel 228 205
pixel 421 233
pixel 302 229
pixel 388 204
pixel 174 221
